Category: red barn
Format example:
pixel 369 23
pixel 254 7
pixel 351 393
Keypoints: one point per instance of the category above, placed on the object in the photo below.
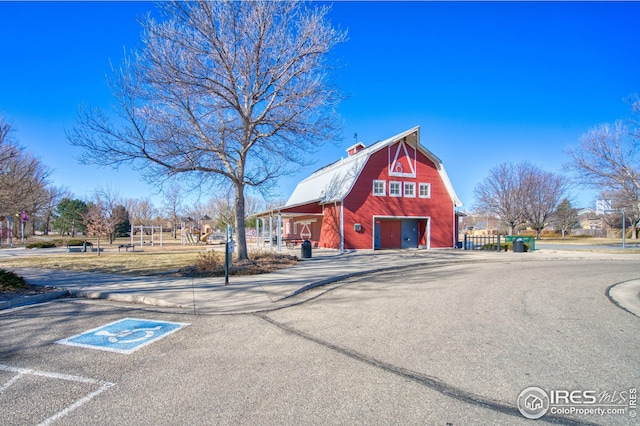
pixel 392 194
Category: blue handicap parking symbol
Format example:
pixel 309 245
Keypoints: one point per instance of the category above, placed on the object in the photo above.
pixel 124 336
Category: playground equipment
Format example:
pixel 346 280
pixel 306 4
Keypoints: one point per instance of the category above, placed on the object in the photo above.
pixel 142 228
pixel 205 235
pixel 195 236
pixel 6 231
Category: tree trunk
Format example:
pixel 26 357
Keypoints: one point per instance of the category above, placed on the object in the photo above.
pixel 240 227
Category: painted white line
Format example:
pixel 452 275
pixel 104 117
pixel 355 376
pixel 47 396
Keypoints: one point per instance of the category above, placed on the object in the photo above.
pixel 76 404
pixel 10 382
pixel 50 375
pixel 21 372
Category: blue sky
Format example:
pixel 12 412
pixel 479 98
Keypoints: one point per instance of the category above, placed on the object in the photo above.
pixel 487 82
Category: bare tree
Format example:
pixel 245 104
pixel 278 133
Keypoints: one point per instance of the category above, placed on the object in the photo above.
pixel 621 202
pixel 222 208
pixel 23 178
pixel 114 212
pixel 142 212
pixel 8 148
pixel 501 194
pixel 607 159
pixel 221 91
pixel 275 203
pixel 173 206
pixel 254 205
pixel 520 194
pixel 96 219
pixel 54 195
pixel 542 192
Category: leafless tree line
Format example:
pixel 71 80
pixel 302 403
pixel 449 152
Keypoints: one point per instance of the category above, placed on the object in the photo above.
pixel 24 182
pixel 521 194
pixel 25 187
pixel 606 159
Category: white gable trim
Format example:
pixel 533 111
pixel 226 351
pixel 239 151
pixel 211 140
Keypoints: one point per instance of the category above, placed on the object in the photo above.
pixel 395 168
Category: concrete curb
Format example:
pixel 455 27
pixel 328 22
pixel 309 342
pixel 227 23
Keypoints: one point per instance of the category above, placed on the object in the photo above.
pixel 626 295
pixel 127 298
pixel 31 300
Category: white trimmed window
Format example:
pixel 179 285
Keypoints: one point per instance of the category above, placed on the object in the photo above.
pixel 395 189
pixel 379 188
pixel 410 189
pixel 425 190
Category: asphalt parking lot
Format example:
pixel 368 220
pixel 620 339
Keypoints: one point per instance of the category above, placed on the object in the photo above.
pixel 440 344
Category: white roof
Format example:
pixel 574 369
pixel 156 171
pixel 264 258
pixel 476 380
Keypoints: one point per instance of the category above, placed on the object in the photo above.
pixel 333 182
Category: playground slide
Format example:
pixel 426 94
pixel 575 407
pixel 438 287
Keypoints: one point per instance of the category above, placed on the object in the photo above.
pixel 204 237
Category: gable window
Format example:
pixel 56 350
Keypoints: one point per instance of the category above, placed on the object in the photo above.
pixel 425 190
pixel 409 189
pixel 395 189
pixel 379 188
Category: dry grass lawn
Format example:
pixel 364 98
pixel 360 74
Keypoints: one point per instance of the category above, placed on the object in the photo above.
pixel 172 259
pixel 131 263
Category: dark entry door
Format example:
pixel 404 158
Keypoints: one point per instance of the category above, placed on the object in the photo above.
pixel 390 234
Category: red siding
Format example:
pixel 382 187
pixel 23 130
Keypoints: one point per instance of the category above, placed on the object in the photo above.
pixel 360 206
pixel 330 232
pixel 305 208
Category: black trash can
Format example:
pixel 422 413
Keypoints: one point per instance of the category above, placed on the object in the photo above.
pixel 518 245
pixel 305 249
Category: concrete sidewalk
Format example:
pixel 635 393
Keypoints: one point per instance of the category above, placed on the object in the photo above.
pixel 244 293
pixel 269 291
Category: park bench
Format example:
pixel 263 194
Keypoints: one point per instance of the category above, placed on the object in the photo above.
pixel 79 248
pixel 126 247
pixel 292 242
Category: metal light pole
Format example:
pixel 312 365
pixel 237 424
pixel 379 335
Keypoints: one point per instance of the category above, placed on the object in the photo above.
pixel 624 231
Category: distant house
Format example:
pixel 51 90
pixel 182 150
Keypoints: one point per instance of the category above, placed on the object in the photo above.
pixel 588 219
pixel 392 194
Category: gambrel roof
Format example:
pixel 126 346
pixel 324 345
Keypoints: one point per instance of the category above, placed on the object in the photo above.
pixel 334 182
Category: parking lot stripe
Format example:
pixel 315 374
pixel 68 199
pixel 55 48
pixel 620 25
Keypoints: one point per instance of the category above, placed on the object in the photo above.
pixel 10 382
pixel 21 372
pixel 76 404
pixel 49 374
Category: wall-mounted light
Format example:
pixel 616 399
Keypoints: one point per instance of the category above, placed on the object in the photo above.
pixel 357 227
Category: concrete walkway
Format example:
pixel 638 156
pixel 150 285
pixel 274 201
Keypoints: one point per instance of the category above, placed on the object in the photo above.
pixel 274 290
